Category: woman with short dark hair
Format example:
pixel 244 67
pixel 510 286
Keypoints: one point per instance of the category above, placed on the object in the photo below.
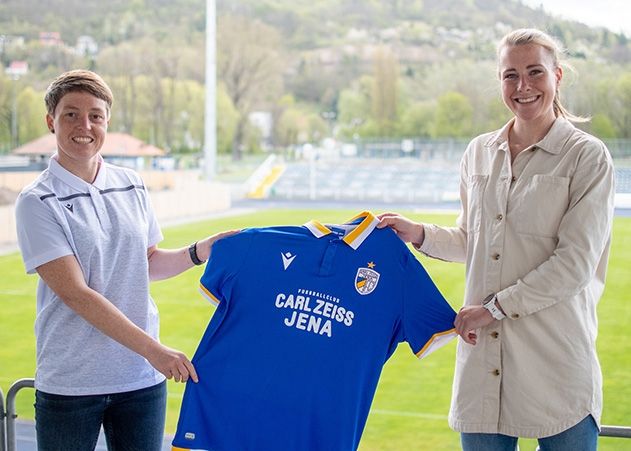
pixel 87 228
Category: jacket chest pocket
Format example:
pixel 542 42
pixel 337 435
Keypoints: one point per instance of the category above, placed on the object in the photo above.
pixel 475 201
pixel 539 208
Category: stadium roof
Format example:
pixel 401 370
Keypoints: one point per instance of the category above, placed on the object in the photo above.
pixel 116 145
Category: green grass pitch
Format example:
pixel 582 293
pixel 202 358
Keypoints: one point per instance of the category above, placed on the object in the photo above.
pixel 410 407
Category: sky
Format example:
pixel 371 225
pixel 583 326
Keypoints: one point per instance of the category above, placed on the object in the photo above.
pixel 613 14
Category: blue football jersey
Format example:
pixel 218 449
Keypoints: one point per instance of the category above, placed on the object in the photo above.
pixel 306 318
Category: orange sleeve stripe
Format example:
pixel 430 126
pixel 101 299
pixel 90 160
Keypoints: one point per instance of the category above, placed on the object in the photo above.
pixel 208 294
pixel 433 339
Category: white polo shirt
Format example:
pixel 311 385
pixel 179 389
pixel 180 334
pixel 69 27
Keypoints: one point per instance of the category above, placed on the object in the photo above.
pixel 108 226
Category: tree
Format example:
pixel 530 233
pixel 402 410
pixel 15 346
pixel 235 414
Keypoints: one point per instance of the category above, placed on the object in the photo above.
pixel 123 65
pixel 418 120
pixel 31 114
pixel 291 127
pixel 227 118
pixel 384 92
pixel 602 127
pixel 496 115
pixel 453 116
pixel 296 126
pixel 6 110
pixel 249 64
pixel 353 106
pixel 622 99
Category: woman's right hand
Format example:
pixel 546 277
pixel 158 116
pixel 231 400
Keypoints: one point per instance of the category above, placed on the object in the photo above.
pixel 172 363
pixel 408 230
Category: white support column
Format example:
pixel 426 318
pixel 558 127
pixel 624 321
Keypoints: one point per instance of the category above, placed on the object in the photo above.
pixel 210 114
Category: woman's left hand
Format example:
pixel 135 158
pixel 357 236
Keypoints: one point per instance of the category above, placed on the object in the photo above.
pixel 204 247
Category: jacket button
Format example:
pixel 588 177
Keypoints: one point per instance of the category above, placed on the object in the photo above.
pixel 499 217
pixel 496 256
pixel 515 315
pixel 495 334
pixel 496 372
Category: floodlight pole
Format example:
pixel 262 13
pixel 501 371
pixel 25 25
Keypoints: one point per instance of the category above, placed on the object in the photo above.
pixel 210 114
pixel 14 112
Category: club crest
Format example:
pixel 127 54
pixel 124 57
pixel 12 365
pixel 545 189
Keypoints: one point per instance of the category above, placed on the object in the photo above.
pixel 366 280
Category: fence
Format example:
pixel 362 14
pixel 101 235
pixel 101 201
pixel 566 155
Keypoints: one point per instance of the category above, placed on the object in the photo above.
pixel 175 195
pixel 446 149
pixel 11 416
pixel 3 439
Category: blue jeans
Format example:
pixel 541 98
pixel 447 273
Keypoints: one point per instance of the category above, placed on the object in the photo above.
pixel 132 421
pixel 581 437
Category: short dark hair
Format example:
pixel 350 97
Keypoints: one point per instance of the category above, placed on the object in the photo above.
pixel 77 80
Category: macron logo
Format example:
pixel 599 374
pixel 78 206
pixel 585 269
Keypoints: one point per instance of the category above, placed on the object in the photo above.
pixel 287 259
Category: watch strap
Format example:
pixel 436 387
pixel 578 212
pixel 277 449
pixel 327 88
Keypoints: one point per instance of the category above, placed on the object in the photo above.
pixel 490 303
pixel 192 251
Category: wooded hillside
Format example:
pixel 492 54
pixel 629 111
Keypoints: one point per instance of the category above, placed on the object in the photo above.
pixel 365 68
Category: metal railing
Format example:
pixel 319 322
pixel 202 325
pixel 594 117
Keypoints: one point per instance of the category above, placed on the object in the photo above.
pixel 615 431
pixel 9 442
pixel 11 411
pixel 3 442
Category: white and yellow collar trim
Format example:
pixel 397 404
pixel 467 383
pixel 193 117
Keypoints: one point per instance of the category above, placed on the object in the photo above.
pixel 356 236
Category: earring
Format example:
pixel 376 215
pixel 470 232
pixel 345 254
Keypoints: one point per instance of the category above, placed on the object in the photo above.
pixel 52 130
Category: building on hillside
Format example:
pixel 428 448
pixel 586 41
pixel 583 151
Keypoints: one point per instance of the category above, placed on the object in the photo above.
pixel 119 148
pixel 50 38
pixel 86 46
pixel 16 69
pixel 7 41
pixel 264 122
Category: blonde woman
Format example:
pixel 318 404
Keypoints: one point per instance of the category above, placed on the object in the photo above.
pixel 534 232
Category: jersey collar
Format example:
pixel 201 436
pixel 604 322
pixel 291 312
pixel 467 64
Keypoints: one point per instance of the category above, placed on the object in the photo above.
pixel 364 223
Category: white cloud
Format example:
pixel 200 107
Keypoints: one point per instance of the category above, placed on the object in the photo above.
pixel 613 14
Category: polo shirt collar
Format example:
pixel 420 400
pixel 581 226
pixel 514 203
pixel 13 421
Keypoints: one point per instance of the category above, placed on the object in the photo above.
pixel 552 143
pixel 76 182
pixel 364 223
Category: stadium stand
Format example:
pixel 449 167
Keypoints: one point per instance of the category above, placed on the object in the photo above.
pixel 387 180
pixel 407 171
pixel 400 180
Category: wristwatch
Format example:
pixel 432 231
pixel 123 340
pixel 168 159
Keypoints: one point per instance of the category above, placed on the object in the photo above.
pixel 490 303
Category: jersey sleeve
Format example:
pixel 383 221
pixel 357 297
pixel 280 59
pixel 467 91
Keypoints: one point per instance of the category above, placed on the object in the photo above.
pixel 41 237
pixel 226 258
pixel 428 319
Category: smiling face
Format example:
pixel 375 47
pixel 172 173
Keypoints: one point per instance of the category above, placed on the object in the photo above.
pixel 80 123
pixel 529 78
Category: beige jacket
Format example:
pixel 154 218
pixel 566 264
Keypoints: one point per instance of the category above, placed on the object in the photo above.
pixel 537 233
